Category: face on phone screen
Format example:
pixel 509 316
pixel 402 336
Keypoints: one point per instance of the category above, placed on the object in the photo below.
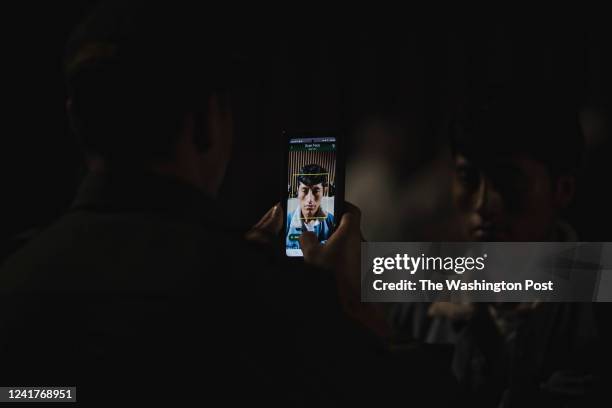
pixel 311 188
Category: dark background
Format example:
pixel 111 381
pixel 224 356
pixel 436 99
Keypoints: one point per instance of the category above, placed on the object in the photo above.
pixel 387 87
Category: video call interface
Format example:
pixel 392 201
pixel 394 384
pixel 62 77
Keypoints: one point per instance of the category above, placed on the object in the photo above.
pixel 311 190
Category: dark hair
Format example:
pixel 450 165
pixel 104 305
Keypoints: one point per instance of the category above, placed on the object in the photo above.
pixel 513 122
pixel 312 174
pixel 135 68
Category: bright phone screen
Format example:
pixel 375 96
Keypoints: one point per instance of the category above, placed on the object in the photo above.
pixel 311 190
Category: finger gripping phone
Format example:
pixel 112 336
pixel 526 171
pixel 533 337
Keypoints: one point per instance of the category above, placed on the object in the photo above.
pixel 313 185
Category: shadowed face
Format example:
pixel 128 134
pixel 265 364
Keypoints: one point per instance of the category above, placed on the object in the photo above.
pixel 309 197
pixel 508 199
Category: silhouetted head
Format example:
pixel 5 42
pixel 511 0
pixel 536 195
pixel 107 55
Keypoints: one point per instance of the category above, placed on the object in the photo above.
pixel 149 85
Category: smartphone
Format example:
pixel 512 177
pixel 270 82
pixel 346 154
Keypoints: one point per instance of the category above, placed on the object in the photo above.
pixel 313 185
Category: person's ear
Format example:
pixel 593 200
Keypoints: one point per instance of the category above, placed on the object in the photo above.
pixel 72 120
pixel 210 123
pixel 201 133
pixel 565 189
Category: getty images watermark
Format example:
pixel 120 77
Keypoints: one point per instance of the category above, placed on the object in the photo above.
pixel 486 272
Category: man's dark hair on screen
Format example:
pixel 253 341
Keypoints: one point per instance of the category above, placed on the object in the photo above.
pixel 312 174
pixel 134 69
pixel 513 123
